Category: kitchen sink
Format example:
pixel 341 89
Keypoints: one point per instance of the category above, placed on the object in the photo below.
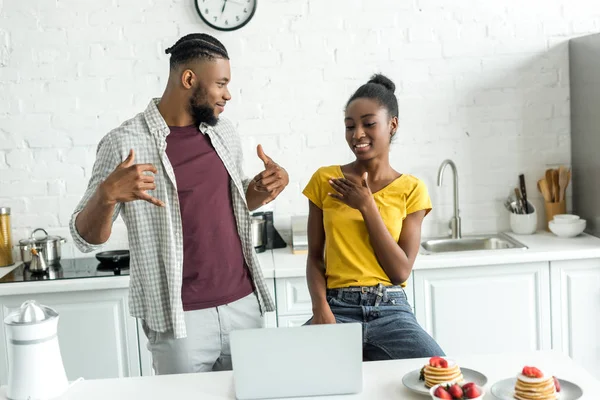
pixel 470 243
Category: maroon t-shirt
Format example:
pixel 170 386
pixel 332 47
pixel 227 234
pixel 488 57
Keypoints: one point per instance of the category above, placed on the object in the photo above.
pixel 214 270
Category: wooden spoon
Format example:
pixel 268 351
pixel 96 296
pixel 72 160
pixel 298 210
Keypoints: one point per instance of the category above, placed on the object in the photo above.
pixel 563 176
pixel 549 184
pixel 543 188
pixel 555 186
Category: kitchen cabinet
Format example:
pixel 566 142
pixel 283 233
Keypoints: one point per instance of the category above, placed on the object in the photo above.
pixel 486 309
pixel 294 306
pixel 293 298
pixel 97 337
pixel 292 321
pixel 575 311
pixel 271 316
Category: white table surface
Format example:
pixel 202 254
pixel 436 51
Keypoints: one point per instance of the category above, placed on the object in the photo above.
pixel 382 380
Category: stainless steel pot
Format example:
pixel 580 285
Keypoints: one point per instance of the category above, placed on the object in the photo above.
pixel 258 231
pixel 47 246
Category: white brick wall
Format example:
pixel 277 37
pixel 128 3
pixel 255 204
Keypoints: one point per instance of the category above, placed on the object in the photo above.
pixel 483 83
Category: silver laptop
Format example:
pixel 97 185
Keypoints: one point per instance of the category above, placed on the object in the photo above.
pixel 314 360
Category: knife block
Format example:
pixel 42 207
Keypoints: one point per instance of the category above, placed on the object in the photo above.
pixel 553 209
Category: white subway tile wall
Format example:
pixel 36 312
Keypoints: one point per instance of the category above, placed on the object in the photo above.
pixel 483 83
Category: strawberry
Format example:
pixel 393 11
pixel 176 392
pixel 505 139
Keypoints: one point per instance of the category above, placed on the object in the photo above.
pixel 456 391
pixel 442 393
pixel 556 384
pixel 472 392
pixel 438 362
pixel 467 385
pixel 532 372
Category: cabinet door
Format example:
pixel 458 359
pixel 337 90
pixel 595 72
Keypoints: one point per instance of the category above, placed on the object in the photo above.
pixel 293 321
pixel 485 309
pixel 97 337
pixel 271 317
pixel 576 311
pixel 145 355
pixel 293 297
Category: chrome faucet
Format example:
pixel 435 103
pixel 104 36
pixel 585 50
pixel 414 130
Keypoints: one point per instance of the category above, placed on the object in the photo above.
pixel 455 221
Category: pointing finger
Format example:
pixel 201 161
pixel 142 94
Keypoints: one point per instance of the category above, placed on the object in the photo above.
pixel 261 154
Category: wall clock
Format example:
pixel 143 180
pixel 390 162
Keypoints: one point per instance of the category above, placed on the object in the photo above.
pixel 226 15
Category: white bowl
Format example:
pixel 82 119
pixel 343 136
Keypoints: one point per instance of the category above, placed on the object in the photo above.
pixel 567 230
pixel 432 391
pixel 565 218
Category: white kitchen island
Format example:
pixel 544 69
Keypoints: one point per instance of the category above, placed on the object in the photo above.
pixel 381 380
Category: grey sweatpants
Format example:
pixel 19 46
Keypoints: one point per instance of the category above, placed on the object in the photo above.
pixel 206 347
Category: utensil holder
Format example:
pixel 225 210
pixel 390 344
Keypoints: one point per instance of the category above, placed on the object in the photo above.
pixel 553 209
pixel 524 224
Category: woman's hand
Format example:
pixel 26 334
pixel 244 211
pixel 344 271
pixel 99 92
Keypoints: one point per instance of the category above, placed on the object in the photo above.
pixel 323 316
pixel 354 195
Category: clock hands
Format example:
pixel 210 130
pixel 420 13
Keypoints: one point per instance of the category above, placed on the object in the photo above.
pixel 224 4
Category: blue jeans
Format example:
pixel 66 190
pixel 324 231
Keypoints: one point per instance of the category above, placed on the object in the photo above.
pixel 390 329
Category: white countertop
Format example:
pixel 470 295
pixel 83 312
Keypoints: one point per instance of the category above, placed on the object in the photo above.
pixel 60 285
pixel 381 380
pixel 281 263
pixel 542 246
pixel 96 283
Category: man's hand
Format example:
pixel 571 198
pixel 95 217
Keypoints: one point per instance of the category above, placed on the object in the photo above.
pixel 128 183
pixel 272 180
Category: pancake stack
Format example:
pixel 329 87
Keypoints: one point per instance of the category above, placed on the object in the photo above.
pixel 533 388
pixel 436 375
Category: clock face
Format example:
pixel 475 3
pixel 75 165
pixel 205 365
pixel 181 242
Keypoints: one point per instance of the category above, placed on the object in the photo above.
pixel 226 15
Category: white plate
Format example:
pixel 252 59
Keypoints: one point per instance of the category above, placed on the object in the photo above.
pixel 412 382
pixel 505 389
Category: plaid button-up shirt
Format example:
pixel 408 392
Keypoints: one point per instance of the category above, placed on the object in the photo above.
pixel 155 233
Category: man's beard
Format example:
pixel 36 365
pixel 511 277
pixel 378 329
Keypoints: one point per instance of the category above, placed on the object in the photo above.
pixel 200 109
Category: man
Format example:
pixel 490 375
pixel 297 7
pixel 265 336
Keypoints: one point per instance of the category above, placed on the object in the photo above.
pixel 174 173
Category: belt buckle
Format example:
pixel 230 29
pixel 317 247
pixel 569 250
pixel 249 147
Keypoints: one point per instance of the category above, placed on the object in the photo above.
pixel 364 289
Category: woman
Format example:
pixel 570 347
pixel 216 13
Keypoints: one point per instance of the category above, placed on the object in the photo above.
pixel 364 230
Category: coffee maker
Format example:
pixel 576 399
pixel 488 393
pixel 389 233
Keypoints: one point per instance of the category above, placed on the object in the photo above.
pixel 264 235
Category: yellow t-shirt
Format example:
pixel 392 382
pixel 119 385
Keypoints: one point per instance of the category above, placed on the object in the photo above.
pixel 349 257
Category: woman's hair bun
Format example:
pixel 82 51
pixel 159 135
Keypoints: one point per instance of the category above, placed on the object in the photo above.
pixel 383 81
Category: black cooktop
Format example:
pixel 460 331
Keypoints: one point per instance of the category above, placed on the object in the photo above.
pixel 75 268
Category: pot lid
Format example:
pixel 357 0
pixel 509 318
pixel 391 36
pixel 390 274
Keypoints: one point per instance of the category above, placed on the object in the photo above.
pixel 40 240
pixel 30 312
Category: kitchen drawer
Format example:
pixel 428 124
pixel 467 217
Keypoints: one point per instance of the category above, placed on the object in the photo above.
pixel 293 321
pixel 270 320
pixel 292 297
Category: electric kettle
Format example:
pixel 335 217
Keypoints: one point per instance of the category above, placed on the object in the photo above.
pixel 36 370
